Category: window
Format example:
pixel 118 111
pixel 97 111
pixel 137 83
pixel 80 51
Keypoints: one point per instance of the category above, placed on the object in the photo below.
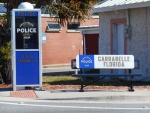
pixel 52 26
pixel 73 26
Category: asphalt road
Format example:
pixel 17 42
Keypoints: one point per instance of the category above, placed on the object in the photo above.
pixel 72 107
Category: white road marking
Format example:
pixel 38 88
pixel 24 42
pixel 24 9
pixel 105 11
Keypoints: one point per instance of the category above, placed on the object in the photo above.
pixel 72 107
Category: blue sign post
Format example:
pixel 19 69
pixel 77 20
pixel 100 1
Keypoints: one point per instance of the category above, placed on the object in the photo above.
pixel 26 48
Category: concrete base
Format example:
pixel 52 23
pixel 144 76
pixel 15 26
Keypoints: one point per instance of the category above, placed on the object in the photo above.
pixel 20 88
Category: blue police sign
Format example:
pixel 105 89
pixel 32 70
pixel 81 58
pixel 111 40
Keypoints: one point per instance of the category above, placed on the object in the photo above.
pixel 26 41
pixel 86 61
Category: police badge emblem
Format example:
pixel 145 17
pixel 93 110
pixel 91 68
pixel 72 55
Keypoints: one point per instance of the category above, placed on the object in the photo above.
pixel 26 29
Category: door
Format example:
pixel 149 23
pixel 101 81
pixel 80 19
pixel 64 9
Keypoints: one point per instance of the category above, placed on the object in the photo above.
pixel 91 44
pixel 118 42
pixel 91 48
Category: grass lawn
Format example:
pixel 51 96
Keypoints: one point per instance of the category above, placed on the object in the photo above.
pixel 61 80
pixel 70 80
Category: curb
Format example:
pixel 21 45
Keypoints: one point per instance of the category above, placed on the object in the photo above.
pixel 103 99
pixel 95 96
pixel 56 65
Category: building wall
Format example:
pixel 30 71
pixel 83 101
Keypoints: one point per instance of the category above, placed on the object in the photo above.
pixel 62 46
pixel 139 43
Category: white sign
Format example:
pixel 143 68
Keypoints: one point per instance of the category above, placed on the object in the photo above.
pixel 114 61
pixel 105 61
pixel 43 38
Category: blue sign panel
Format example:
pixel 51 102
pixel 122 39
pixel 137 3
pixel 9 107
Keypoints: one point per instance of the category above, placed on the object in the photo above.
pixel 27 67
pixel 26 13
pixel 86 61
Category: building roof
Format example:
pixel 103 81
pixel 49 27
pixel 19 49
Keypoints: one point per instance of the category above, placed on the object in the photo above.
pixel 2 8
pixel 88 27
pixel 44 12
pixel 110 5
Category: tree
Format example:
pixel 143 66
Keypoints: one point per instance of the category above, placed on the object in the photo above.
pixel 64 11
pixel 68 10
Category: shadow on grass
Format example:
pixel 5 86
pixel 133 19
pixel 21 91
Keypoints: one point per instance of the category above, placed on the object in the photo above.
pixel 141 83
pixel 64 82
pixel 58 73
pixel 96 82
pixel 87 81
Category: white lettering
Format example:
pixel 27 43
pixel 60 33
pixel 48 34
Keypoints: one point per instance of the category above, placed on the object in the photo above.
pixel 113 64
pixel 26 30
pixel 86 61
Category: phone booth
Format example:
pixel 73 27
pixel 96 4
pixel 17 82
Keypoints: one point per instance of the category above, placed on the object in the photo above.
pixel 26 47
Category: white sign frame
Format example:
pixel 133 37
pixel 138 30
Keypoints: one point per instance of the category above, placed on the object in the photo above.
pixel 105 61
pixel 13 51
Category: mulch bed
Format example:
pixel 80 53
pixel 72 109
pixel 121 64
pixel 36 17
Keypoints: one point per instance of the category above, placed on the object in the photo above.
pixel 77 87
pixel 91 87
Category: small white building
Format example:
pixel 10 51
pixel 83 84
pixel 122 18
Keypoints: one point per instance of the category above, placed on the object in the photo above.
pixel 125 29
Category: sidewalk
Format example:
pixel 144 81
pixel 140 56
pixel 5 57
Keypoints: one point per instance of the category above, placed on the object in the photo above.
pixel 88 95
pixel 102 96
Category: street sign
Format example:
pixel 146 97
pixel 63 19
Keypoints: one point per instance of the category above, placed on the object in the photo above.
pixel 105 61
